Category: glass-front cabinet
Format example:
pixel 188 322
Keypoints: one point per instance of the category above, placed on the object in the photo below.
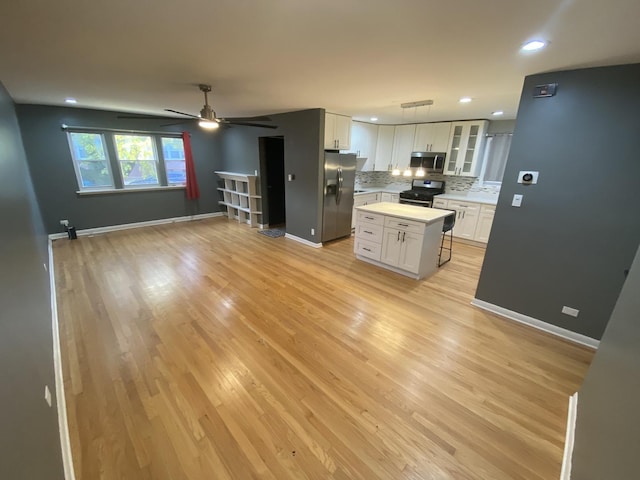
pixel 465 148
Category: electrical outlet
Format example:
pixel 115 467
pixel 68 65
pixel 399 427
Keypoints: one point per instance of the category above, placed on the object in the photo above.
pixel 64 223
pixel 570 311
pixel 47 395
pixel 313 231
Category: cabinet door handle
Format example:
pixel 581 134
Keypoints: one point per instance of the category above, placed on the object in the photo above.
pixel 368 218
pixel 403 234
pixel 403 225
pixel 463 212
pixel 367 231
pixel 367 249
pixel 398 236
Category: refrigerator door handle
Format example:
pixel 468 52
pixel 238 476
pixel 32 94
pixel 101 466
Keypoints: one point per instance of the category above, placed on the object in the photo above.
pixel 339 186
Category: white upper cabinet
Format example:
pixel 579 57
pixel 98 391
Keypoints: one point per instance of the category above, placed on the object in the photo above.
pixel 337 131
pixel 432 137
pixel 403 145
pixel 464 155
pixel 384 148
pixel 364 137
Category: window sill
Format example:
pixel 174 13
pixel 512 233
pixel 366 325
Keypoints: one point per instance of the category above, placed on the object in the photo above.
pixel 130 190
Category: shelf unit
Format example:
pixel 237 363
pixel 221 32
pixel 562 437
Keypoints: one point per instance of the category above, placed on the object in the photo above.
pixel 239 195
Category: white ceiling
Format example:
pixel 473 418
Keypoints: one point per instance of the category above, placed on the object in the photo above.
pixel 359 57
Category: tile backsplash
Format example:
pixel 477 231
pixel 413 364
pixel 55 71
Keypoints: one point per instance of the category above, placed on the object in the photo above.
pixel 458 185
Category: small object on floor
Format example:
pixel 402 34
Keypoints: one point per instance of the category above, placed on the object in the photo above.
pixel 273 232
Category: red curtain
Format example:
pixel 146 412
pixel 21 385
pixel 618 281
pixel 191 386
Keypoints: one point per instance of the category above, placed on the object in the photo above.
pixel 193 191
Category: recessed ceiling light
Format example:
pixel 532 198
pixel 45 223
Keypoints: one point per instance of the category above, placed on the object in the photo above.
pixel 465 99
pixel 70 100
pixel 533 45
pixel 374 119
pixel 497 113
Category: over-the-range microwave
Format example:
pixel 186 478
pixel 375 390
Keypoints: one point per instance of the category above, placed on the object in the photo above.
pixel 430 162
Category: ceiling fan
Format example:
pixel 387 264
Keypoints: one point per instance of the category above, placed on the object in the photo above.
pixel 207 118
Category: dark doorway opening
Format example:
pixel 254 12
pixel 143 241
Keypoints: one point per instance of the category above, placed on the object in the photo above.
pixel 272 171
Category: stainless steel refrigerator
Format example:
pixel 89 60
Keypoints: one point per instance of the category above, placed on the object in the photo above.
pixel 339 181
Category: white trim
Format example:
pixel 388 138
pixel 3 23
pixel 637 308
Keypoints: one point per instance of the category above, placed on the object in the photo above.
pixel 569 439
pixel 302 240
pixel 61 402
pixel 160 188
pixel 126 226
pixel 539 324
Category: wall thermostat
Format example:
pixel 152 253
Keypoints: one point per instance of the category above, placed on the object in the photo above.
pixel 528 177
pixel 548 90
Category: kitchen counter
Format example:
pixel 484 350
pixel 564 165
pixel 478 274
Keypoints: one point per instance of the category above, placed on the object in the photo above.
pixel 469 198
pixel 408 212
pixel 364 191
pixel 402 238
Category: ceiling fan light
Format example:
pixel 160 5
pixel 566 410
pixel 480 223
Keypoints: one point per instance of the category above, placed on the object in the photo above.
pixel 208 124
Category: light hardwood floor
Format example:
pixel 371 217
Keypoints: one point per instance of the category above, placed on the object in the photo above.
pixel 204 350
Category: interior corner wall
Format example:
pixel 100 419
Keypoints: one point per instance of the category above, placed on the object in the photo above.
pixel 577 230
pixel 303 158
pixel 29 436
pixel 606 437
pixel 55 181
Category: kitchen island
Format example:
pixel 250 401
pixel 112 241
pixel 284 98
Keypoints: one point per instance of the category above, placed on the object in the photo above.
pixel 402 238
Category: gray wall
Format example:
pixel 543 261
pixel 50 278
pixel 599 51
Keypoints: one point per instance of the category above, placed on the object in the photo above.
pixel 29 441
pixel 55 180
pixel 501 126
pixel 303 157
pixel 578 229
pixel 607 442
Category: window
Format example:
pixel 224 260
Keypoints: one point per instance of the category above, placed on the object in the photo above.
pixel 137 158
pixel 495 158
pixel 173 153
pixel 90 160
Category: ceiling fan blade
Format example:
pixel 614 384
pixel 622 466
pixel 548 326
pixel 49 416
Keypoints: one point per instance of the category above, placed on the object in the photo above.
pixel 173 124
pixel 181 113
pixel 249 124
pixel 247 119
pixel 145 117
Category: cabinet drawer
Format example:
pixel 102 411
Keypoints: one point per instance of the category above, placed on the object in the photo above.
pixel 370 232
pixel 366 217
pixel 440 203
pixel 405 225
pixel 367 249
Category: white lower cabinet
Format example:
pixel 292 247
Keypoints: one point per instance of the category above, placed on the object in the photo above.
pixel 402 244
pixel 485 221
pixel 466 218
pixel 361 200
pixel 473 220
pixel 390 197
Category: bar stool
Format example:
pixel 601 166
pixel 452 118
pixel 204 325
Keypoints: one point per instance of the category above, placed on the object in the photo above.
pixel 447 226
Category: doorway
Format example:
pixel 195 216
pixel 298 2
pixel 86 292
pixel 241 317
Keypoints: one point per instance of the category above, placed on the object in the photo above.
pixel 272 170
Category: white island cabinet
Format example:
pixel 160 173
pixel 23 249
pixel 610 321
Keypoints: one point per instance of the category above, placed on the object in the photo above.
pixel 402 238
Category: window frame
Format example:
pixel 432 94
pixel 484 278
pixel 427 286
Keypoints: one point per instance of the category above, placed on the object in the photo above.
pixel 485 159
pixel 164 160
pixel 75 161
pixel 107 136
pixel 156 160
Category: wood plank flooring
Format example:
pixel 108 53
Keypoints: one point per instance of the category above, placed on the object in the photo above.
pixel 203 350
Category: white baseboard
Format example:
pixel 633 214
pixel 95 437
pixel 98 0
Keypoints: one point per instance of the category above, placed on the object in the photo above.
pixel 61 402
pixel 303 241
pixel 539 324
pixel 126 226
pixel 569 439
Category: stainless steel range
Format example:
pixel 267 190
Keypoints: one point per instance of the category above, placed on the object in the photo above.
pixel 422 192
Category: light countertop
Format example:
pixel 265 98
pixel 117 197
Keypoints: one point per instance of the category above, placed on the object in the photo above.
pixel 366 190
pixel 408 212
pixel 469 198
